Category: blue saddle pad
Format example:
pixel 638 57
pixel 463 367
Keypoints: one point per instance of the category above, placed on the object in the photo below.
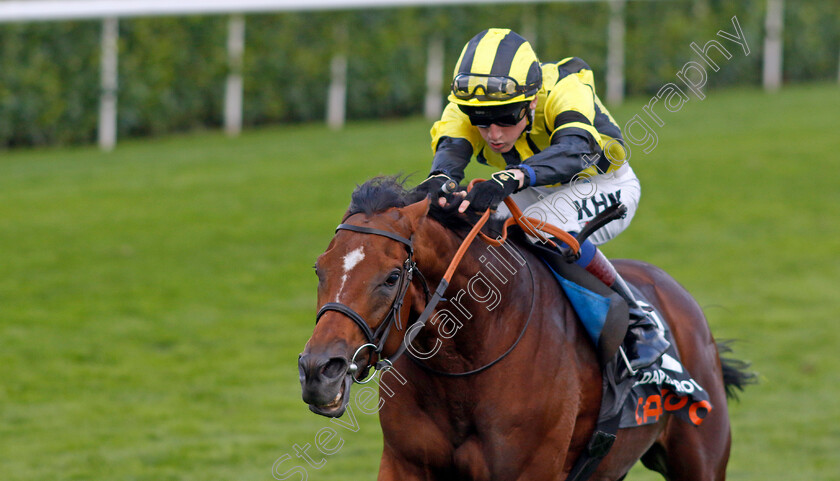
pixel 590 306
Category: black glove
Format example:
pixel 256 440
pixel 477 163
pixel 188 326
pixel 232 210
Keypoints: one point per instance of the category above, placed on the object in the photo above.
pixel 437 185
pixel 488 194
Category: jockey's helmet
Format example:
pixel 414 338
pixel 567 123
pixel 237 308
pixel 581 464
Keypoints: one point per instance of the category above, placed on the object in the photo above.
pixel 496 67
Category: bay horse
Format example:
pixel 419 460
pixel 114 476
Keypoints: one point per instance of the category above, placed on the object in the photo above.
pixel 528 408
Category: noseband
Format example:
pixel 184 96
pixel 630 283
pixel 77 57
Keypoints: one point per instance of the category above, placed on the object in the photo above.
pixel 376 339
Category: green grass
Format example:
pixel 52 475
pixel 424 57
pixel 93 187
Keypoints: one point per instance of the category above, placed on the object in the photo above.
pixel 153 300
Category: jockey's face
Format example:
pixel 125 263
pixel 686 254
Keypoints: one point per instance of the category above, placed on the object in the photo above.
pixel 500 138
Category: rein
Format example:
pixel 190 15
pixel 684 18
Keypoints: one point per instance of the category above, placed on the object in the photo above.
pixel 503 355
pixel 528 224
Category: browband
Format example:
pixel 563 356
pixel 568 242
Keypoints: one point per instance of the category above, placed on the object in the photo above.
pixel 368 230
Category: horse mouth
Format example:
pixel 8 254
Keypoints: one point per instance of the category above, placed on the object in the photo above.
pixel 338 405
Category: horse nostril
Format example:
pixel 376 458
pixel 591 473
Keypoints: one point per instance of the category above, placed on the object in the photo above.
pixel 334 368
pixel 302 371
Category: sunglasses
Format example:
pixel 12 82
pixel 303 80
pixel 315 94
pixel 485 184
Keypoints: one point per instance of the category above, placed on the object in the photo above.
pixel 509 119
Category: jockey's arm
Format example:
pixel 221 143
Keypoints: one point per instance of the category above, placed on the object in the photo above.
pixel 451 157
pixel 574 145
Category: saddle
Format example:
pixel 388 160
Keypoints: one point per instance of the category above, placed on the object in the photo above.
pixel 603 312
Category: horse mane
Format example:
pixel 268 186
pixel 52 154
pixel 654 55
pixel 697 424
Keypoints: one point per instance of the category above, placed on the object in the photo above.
pixel 385 192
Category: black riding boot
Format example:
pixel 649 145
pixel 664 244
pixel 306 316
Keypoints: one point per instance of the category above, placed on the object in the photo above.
pixel 647 339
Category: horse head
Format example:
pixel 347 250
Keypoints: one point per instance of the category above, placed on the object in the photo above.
pixel 368 288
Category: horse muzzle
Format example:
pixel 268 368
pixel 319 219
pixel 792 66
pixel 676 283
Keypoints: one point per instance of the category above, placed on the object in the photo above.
pixel 325 383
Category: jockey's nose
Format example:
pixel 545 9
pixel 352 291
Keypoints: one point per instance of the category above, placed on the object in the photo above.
pixel 495 132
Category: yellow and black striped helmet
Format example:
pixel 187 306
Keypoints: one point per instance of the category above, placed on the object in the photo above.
pixel 496 67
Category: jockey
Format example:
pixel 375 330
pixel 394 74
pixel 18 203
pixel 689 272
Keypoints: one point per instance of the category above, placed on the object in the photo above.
pixel 559 153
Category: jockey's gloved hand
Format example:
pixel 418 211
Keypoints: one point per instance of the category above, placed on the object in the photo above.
pixel 435 182
pixel 488 194
pixel 437 185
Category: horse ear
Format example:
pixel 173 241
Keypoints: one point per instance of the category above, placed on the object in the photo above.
pixel 416 212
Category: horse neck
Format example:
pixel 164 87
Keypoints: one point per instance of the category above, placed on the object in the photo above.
pixel 489 299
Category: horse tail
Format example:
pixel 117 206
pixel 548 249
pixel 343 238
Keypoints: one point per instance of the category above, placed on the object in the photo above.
pixel 736 373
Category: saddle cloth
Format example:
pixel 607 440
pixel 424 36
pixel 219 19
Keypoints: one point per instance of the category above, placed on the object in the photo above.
pixel 666 386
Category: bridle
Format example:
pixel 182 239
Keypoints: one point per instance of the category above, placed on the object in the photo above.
pixel 377 339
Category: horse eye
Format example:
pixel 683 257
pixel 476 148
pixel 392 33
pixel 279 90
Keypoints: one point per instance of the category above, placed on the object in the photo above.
pixel 392 279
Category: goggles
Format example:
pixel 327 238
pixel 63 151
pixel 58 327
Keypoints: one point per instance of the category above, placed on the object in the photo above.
pixel 466 86
pixel 503 116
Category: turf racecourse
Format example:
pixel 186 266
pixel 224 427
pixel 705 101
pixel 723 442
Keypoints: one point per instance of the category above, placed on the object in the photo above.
pixel 153 300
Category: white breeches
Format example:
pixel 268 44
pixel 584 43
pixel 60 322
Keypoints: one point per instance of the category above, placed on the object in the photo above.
pixel 571 206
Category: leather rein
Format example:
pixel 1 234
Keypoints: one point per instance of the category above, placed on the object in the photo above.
pixel 376 339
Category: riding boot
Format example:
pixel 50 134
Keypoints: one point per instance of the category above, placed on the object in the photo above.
pixel 647 339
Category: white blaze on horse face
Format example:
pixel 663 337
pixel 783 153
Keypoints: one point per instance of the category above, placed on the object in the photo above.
pixel 350 260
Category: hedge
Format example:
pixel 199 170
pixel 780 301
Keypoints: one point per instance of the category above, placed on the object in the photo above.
pixel 172 69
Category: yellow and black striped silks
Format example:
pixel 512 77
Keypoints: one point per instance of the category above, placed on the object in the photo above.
pixel 490 65
pixel 567 105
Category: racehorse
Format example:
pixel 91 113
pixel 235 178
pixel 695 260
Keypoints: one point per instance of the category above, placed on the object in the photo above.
pixel 530 396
